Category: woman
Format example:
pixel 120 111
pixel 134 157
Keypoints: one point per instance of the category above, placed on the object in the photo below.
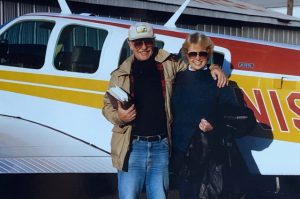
pixel 195 136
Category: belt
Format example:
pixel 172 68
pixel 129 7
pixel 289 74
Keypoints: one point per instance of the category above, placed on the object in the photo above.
pixel 150 138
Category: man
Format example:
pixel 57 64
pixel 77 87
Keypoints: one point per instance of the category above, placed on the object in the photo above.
pixel 140 140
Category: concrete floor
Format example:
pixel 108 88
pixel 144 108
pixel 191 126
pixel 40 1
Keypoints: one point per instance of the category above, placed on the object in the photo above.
pixel 104 186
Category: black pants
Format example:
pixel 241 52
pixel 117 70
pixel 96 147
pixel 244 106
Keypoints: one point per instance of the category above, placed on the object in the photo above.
pixel 188 189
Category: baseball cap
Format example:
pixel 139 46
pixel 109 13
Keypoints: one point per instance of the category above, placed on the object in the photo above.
pixel 140 30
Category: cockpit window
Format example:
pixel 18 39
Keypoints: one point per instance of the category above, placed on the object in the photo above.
pixel 24 44
pixel 125 51
pixel 79 48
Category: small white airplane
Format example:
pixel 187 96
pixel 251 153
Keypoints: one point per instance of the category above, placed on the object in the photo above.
pixel 55 68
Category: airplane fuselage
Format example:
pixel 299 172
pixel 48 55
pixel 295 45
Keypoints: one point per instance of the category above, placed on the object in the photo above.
pixel 62 90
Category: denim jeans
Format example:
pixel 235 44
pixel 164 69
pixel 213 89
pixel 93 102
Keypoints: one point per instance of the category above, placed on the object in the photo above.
pixel 148 164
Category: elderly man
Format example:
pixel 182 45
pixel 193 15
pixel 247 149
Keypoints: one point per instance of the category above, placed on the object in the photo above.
pixel 141 133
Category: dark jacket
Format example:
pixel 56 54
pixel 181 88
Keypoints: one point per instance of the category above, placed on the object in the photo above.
pixel 198 156
pixel 196 96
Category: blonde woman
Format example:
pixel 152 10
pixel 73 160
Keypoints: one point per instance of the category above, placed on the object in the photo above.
pixel 195 101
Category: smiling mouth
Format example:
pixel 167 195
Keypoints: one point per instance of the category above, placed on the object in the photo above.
pixel 144 52
pixel 198 62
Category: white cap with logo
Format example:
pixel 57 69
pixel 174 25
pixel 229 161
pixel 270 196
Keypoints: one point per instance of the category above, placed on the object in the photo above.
pixel 140 30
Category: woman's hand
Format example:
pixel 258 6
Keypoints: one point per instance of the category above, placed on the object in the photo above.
pixel 205 126
pixel 126 115
pixel 218 74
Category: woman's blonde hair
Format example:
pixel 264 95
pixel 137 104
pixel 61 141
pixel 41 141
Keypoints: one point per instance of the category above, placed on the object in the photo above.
pixel 197 38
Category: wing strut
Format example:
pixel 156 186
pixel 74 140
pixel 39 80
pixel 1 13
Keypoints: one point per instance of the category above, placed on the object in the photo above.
pixel 171 22
pixel 64 7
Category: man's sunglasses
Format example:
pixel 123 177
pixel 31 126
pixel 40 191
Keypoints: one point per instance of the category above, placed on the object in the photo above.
pixel 138 43
pixel 202 54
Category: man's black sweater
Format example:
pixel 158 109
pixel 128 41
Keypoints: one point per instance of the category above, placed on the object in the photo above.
pixel 149 99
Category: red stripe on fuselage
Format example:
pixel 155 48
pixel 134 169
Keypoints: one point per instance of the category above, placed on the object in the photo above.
pixel 292 99
pixel 278 111
pixel 264 58
pixel 258 107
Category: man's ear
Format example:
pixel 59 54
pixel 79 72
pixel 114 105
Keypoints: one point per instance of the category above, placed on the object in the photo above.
pixel 130 44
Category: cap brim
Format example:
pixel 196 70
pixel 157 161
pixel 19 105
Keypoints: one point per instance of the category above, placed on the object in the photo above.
pixel 135 38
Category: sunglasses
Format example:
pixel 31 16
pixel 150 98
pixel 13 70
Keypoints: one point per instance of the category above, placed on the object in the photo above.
pixel 138 43
pixel 202 54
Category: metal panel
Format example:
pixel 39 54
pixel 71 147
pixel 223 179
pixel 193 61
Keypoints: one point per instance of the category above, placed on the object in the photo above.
pixel 25 8
pixel 41 8
pixel 215 29
pixel 279 36
pixel 200 27
pixel 271 3
pixel 294 37
pixel 298 38
pixel 290 35
pixel 272 34
pixel 1 12
pixel 221 29
pixel 260 33
pixel 234 10
pixel 265 33
pixel 9 11
pixel 227 30
pixel 255 33
pixel 55 9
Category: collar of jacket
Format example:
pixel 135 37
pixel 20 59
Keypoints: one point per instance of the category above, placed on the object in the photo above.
pixel 125 67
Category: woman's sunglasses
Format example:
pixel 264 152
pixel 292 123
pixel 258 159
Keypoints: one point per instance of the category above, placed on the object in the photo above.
pixel 202 54
pixel 138 43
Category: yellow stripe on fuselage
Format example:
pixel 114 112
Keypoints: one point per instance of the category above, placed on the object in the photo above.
pixel 84 92
pixel 46 84
pixel 62 81
pixel 272 92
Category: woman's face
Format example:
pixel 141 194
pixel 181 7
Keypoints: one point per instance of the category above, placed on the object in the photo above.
pixel 197 56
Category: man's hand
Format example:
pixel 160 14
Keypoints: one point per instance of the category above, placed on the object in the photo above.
pixel 126 115
pixel 218 74
pixel 205 126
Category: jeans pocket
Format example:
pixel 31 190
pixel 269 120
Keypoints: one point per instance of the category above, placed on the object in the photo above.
pixel 133 142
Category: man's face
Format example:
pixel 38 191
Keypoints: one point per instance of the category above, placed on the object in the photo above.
pixel 142 48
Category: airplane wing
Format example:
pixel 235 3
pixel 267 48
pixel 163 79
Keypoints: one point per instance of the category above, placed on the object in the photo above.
pixel 28 147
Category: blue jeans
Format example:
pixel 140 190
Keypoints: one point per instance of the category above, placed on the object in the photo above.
pixel 148 164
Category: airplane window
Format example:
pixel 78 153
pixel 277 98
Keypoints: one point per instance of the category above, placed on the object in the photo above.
pixel 125 51
pixel 24 44
pixel 79 48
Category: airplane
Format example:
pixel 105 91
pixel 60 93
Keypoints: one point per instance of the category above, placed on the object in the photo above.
pixel 55 69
